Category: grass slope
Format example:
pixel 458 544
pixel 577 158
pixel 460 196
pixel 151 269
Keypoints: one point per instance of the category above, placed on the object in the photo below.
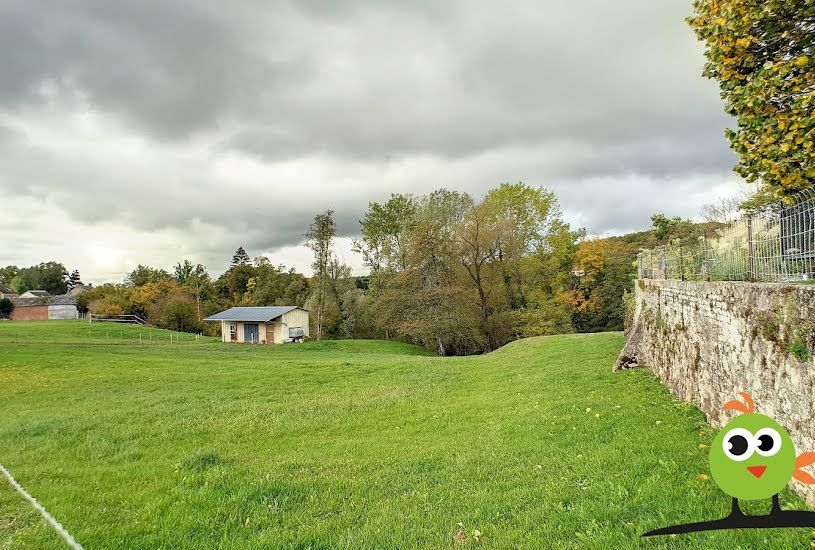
pixel 348 444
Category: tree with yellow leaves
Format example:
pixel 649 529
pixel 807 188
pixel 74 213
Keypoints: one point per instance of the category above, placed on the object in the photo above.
pixel 762 54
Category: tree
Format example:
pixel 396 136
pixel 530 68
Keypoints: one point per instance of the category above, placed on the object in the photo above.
pixel 145 274
pixel 606 272
pixel 6 307
pixel 240 258
pixel 725 210
pixel 762 52
pixel 529 214
pixel 196 278
pixel 357 314
pixel 384 231
pixel 320 238
pixel 74 280
pixel 276 286
pixel 49 276
pixel 176 312
pixel 479 243
pixel 667 229
pixel 440 313
pixel 8 273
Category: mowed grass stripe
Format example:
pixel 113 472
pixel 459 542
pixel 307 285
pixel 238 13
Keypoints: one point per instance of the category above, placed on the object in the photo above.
pixel 354 445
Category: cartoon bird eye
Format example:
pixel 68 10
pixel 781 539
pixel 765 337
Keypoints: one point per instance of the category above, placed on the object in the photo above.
pixel 767 442
pixel 738 444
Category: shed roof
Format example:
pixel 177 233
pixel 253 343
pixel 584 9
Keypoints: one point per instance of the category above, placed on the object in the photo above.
pixel 60 300
pixel 251 314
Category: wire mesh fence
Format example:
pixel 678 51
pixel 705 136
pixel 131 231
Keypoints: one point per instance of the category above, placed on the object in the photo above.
pixel 776 244
pixel 106 334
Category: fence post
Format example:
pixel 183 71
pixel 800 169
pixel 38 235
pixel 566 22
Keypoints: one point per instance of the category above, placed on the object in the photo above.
pixel 751 272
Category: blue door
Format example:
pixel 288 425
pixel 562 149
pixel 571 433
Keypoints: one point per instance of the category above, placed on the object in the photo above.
pixel 250 333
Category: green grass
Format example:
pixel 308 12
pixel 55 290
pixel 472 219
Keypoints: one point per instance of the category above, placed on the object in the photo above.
pixel 349 445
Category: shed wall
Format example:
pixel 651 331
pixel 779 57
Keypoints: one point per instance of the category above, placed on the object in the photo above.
pixel 63 312
pixel 30 313
pixel 294 318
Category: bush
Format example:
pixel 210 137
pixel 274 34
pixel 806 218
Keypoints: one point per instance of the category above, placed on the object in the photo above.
pixel 6 307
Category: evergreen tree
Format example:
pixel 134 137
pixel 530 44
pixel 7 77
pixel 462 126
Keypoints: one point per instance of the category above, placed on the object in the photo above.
pixel 74 280
pixel 240 258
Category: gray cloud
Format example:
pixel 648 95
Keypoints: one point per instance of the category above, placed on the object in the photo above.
pixel 250 118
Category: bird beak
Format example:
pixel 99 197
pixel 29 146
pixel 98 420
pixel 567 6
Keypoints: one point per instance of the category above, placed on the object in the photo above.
pixel 757 471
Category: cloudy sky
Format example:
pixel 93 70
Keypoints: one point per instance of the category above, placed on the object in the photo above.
pixel 146 132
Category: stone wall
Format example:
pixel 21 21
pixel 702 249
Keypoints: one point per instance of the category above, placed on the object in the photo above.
pixel 709 341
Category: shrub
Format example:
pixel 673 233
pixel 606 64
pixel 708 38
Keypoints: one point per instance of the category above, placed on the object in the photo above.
pixel 6 307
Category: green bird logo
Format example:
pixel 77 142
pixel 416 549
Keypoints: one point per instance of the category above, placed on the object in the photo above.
pixel 753 456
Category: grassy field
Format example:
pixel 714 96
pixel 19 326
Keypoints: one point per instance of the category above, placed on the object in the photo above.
pixel 347 444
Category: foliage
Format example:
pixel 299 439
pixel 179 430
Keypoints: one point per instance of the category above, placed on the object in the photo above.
pixel 762 54
pixel 357 314
pixel 606 271
pixel 6 307
pixel 145 274
pixel 164 303
pixel 49 276
pixel 8 273
pixel 274 286
pixel 549 316
pixel 382 233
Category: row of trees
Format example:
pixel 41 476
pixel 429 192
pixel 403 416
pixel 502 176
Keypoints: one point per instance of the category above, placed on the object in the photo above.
pixel 181 299
pixel 52 277
pixel 447 272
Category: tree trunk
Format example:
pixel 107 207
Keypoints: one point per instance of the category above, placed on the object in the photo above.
pixel 484 319
pixel 442 351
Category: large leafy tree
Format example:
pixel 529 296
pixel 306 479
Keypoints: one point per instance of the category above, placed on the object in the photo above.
pixel 761 52
pixel 384 232
pixel 49 276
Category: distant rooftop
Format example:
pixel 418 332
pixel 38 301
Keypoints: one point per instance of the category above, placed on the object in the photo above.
pixel 35 293
pixel 251 314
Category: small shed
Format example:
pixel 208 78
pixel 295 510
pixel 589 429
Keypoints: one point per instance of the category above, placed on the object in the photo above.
pixel 262 325
pixel 44 308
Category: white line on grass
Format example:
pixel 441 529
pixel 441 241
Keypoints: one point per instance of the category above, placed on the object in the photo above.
pixel 66 536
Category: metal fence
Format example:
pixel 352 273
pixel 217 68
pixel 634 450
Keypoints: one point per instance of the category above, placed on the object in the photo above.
pixel 776 244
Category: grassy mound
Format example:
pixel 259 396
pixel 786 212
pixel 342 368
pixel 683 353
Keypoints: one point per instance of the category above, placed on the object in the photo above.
pixel 351 445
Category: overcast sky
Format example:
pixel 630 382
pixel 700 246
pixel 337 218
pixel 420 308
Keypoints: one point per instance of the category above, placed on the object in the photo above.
pixel 150 131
